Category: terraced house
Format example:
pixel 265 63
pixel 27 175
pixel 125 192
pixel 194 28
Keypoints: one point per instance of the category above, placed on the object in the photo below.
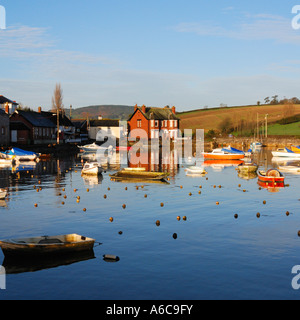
pixel 155 121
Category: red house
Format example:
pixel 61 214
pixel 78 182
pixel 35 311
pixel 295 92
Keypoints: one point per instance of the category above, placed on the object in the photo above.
pixel 154 120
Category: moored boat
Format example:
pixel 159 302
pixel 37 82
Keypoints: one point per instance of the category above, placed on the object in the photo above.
pixel 195 170
pixel 21 155
pixel 3 193
pixel 94 147
pixel 295 149
pixel 272 175
pixel 223 154
pixel 93 168
pixel 45 245
pixel 285 152
pixel 138 175
pixel 247 167
pixel 291 169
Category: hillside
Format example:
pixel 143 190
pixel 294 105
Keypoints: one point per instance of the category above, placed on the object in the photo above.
pixel 208 119
pixel 121 112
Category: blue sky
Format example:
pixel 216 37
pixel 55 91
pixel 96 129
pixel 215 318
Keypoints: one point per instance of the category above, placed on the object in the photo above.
pixel 189 53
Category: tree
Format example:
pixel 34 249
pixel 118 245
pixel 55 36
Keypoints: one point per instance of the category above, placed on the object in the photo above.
pixel 57 105
pixel 57 99
pixel 275 100
pixel 267 100
pixel 288 109
pixel 226 125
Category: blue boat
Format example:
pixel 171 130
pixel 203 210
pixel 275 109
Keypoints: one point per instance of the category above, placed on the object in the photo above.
pixel 233 150
pixel 21 155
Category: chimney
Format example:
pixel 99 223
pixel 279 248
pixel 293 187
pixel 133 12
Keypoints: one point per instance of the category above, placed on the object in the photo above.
pixel 39 109
pixel 174 110
pixel 135 108
pixel 144 108
pixel 7 108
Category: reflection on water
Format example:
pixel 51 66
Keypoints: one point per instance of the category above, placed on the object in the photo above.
pixel 15 265
pixel 222 243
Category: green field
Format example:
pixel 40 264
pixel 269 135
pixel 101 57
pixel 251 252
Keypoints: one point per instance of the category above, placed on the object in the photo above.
pixel 292 129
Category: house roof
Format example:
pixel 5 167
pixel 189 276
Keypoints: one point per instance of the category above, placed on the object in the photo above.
pixel 63 119
pixel 104 123
pixel 157 114
pixel 4 100
pixel 79 123
pixel 36 119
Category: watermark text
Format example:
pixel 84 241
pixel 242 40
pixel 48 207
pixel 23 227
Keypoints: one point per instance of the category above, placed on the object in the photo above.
pixel 2 18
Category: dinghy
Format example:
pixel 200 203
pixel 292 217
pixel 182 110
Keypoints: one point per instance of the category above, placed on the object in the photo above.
pixel 45 245
pixel 247 167
pixel 138 175
pixel 195 170
pixel 92 168
pixel 3 193
pixel 272 175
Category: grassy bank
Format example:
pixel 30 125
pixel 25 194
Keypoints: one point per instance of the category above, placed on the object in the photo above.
pixel 211 119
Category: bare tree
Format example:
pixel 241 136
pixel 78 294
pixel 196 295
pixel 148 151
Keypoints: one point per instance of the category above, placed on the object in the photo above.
pixel 57 105
pixel 57 99
pixel 288 109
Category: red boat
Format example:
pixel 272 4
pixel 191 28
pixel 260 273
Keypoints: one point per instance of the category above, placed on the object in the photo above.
pixel 271 176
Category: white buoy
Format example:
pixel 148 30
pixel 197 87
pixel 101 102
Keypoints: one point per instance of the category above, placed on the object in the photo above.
pixel 110 257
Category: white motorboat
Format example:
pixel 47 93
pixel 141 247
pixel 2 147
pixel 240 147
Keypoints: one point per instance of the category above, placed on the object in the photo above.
pixel 93 168
pixel 291 169
pixel 195 170
pixel 285 152
pixel 94 147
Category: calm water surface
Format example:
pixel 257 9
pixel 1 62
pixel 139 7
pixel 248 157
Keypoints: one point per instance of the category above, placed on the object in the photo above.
pixel 215 255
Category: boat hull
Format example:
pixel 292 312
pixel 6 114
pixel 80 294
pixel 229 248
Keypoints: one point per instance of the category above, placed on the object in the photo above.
pixel 220 156
pixel 40 246
pixel 286 154
pixel 264 177
pixel 138 174
pixel 92 171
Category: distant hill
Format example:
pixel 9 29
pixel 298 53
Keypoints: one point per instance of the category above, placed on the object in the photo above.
pixel 208 119
pixel 121 112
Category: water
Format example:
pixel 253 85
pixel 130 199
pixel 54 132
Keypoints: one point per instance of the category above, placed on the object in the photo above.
pixel 215 255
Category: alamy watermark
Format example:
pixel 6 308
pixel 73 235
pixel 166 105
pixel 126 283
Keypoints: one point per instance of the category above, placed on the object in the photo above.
pixel 296 19
pixel 2 278
pixel 188 146
pixel 2 18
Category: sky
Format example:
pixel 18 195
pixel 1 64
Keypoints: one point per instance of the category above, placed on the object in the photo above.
pixel 189 54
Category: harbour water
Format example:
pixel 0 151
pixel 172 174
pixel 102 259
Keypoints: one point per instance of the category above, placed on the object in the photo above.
pixel 220 251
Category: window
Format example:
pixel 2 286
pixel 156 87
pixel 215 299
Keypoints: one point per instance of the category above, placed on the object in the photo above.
pixel 175 123
pixel 171 123
pixel 3 131
pixel 156 123
pixel 152 123
pixel 139 123
pixel 166 123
